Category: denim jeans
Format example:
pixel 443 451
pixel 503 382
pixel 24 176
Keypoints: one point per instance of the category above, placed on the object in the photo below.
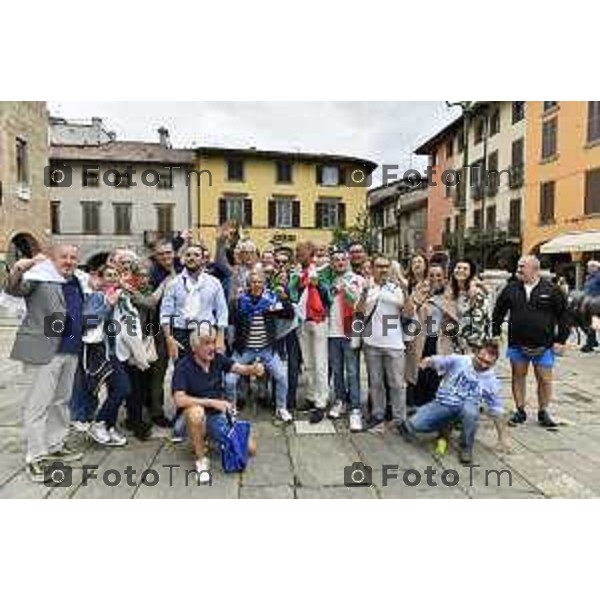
pixel 344 362
pixel 386 365
pixel 288 349
pixel 273 365
pixel 435 417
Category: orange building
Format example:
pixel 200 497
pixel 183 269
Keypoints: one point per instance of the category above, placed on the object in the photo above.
pixel 562 208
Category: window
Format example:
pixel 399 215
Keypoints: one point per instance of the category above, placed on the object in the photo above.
pixel 55 217
pixel 514 219
pixel 547 202
pixel 549 105
pixel 493 177
pixel 90 176
pixel 593 132
pixel 448 225
pixel 90 217
pixel 22 163
pixel 165 179
pixel 284 172
pixel 450 190
pixel 434 159
pixel 164 219
pixel 518 111
pixel 328 175
pixel 122 219
pixel 592 192
pixel 490 218
pixel 330 214
pixel 284 213
pixel 477 214
pixel 495 122
pixel 549 134
pixel 476 173
pixel 460 141
pixel 450 148
pixel 235 169
pixel 236 208
pixel 479 131
pixel 517 157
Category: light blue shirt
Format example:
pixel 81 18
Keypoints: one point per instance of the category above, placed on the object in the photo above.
pixel 212 306
pixel 462 384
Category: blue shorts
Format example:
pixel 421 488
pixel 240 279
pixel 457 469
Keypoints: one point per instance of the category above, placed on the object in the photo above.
pixel 217 427
pixel 516 354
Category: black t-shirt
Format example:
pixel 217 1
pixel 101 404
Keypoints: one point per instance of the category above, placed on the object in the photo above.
pixel 191 378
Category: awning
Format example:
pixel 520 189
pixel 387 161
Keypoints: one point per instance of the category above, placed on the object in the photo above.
pixel 583 241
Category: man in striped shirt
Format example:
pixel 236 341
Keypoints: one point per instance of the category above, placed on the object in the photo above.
pixel 254 317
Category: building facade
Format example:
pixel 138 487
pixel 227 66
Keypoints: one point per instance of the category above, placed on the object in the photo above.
pixel 399 218
pixel 99 207
pixel 563 183
pixel 278 198
pixel 494 137
pixel 24 199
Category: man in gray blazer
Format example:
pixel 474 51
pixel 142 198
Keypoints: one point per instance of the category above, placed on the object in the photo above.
pixel 48 344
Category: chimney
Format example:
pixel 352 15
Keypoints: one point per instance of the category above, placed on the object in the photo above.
pixel 165 140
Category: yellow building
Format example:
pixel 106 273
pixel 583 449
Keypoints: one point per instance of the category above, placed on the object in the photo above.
pixel 562 208
pixel 279 198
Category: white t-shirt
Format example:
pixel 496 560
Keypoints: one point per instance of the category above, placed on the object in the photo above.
pixel 529 287
pixel 385 328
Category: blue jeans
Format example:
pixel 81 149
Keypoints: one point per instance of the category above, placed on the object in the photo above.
pixel 344 362
pixel 118 390
pixel 435 417
pixel 273 365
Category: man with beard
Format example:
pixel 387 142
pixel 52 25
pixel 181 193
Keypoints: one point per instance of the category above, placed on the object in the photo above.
pixel 193 298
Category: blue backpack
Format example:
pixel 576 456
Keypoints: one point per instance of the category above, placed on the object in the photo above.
pixel 234 450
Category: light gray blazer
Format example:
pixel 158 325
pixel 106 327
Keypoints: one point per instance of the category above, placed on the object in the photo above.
pixel 32 344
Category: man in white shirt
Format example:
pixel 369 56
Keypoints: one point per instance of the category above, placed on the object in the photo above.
pixel 384 346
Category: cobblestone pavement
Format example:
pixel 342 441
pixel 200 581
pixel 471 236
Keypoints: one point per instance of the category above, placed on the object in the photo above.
pixel 294 464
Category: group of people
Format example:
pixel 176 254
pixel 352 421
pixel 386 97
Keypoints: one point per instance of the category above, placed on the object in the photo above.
pixel 427 336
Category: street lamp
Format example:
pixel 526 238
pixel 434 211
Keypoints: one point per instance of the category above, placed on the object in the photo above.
pixel 397 213
pixel 467 109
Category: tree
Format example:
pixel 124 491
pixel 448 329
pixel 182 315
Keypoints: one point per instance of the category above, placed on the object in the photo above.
pixel 360 231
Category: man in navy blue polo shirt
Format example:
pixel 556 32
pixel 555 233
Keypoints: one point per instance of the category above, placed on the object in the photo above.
pixel 199 394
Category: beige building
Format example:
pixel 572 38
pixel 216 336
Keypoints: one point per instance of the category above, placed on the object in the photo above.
pixel 99 207
pixel 24 199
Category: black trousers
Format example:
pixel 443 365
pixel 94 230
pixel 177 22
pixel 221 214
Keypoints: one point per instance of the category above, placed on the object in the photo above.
pixel 428 382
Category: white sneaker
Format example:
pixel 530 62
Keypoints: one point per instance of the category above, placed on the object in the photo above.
pixel 80 426
pixel 116 437
pixel 356 420
pixel 337 410
pixel 99 434
pixel 284 415
pixel 203 471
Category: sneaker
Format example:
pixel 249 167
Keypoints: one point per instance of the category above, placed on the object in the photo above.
pixel 37 471
pixel 376 426
pixel 142 431
pixel 519 417
pixel 586 349
pixel 316 416
pixel 99 434
pixel 545 421
pixel 466 457
pixel 283 415
pixel 116 438
pixel 356 423
pixel 65 454
pixel 203 471
pixel 80 426
pixel 337 410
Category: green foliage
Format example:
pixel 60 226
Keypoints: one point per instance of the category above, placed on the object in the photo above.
pixel 360 231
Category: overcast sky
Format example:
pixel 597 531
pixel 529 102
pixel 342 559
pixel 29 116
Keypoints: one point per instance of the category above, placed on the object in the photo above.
pixel 385 132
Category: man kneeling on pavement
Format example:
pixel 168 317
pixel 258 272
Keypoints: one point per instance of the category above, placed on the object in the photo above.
pixel 199 395
pixel 467 380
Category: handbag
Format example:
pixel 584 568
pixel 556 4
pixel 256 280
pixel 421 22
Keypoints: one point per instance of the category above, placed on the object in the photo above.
pixel 150 349
pixel 357 341
pixel 234 450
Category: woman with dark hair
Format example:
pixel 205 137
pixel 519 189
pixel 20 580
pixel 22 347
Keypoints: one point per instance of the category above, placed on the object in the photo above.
pixel 418 269
pixel 470 298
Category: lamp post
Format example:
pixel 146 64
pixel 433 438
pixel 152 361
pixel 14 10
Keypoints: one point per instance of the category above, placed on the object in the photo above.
pixel 461 203
pixel 397 213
